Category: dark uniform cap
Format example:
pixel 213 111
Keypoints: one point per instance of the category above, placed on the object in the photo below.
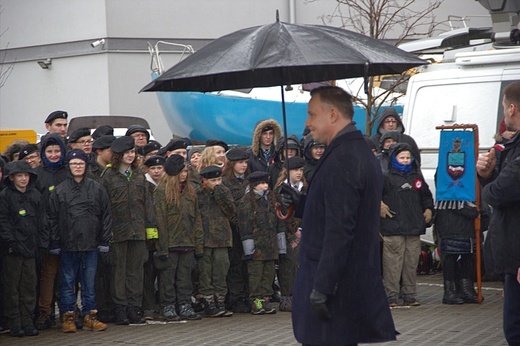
pixel 155 160
pixel 137 128
pixel 258 177
pixel 295 162
pixel 27 150
pixel 76 154
pixel 151 146
pixel 237 154
pixel 175 144
pixel 103 142
pixel 56 115
pixel 122 144
pixel 174 164
pixel 77 134
pixel 211 172
pixel 103 130
pixel 213 142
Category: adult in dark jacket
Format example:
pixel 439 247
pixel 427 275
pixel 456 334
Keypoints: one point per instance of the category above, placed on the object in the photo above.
pixel 389 120
pixel 338 296
pixel 502 191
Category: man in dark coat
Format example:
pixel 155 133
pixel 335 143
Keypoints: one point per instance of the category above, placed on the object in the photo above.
pixel 338 296
pixel 502 191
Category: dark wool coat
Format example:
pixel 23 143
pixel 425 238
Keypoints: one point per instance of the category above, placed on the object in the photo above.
pixel 339 249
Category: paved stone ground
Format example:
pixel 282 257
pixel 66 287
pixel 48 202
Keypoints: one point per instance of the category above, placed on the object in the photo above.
pixel 432 323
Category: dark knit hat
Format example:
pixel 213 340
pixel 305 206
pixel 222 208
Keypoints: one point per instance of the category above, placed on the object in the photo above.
pixel 175 144
pixel 56 115
pixel 103 130
pixel 258 177
pixel 77 134
pixel 295 162
pixel 174 164
pixel 194 150
pixel 211 172
pixel 155 160
pixel 214 142
pixel 27 150
pixel 137 128
pixel 237 154
pixel 103 142
pixel 76 154
pixel 122 144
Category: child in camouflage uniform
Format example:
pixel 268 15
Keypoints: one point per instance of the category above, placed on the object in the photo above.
pixel 216 207
pixel 263 239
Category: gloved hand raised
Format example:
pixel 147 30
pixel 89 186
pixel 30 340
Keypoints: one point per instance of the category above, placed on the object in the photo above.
pixel 319 305
pixel 289 196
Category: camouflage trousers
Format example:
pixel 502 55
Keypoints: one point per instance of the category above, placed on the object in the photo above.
pixel 213 269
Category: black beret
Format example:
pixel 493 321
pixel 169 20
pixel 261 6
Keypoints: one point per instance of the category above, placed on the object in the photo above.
pixel 295 162
pixel 151 146
pixel 56 115
pixel 103 130
pixel 213 142
pixel 211 172
pixel 237 154
pixel 155 160
pixel 77 134
pixel 174 164
pixel 137 128
pixel 76 154
pixel 103 142
pixel 27 150
pixel 258 177
pixel 317 144
pixel 175 144
pixel 122 144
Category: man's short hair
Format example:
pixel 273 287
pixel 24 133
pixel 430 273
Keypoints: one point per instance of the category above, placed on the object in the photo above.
pixel 336 97
pixel 512 93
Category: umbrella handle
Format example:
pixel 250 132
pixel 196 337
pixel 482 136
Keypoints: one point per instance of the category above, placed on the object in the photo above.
pixel 280 215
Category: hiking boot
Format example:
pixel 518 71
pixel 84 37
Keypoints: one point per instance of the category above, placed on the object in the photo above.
pixel 220 304
pixel 267 306
pixel 17 332
pixel 121 316
pixel 93 323
pixel 170 314
pixel 467 291
pixel 409 300
pixel 240 306
pixel 43 321
pixel 211 309
pixel 135 316
pixel 257 308
pixel 392 302
pixel 285 303
pixel 450 294
pixel 186 313
pixel 29 330
pixel 68 325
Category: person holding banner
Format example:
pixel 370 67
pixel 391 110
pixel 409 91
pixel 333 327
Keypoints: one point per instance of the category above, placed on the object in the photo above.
pixel 501 182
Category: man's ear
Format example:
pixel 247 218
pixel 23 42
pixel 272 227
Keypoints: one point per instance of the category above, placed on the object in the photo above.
pixel 48 127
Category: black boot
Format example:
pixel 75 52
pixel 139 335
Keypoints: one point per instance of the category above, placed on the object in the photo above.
pixel 467 278
pixel 450 293
pixel 449 268
pixel 135 315
pixel 121 315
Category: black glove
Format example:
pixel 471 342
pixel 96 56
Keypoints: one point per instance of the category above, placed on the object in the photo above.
pixel 319 305
pixel 289 196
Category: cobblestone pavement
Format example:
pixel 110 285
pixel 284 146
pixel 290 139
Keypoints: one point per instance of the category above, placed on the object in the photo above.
pixel 432 323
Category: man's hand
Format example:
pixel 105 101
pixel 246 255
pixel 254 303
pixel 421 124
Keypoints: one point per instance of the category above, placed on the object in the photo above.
pixel 319 305
pixel 427 215
pixel 486 163
pixel 385 211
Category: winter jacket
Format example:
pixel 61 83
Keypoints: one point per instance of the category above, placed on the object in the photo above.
pixel 502 192
pixel 310 162
pixel 21 218
pixel 79 215
pixel 455 219
pixel 216 208
pixel 180 228
pixel 383 155
pixel 257 161
pixel 130 204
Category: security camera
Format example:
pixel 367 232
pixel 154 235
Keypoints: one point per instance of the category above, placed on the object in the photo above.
pixel 97 43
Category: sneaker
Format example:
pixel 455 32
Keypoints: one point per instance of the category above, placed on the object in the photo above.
pixel 409 300
pixel 93 323
pixel 212 309
pixel 17 332
pixel 267 307
pixel 29 330
pixel 43 321
pixel 220 304
pixel 257 307
pixel 392 302
pixel 285 303
pixel 68 325
pixel 170 314
pixel 186 313
pixel 135 315
pixel 240 306
pixel 121 316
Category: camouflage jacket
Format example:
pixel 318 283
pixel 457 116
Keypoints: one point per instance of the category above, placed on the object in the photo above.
pixel 216 208
pixel 257 220
pixel 179 227
pixel 238 190
pixel 130 204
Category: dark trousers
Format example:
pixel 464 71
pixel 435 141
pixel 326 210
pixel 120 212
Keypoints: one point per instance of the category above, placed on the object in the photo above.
pixel 261 276
pixel 102 286
pixel 150 275
pixel 237 279
pixel 512 309
pixel 126 262
pixel 49 273
pixel 175 285
pixel 19 289
pixel 213 268
pixel 287 271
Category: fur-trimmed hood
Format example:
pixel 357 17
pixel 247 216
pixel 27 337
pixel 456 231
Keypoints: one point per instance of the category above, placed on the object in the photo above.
pixel 257 133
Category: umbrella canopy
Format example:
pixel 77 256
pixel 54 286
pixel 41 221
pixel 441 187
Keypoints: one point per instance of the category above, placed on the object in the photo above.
pixel 281 54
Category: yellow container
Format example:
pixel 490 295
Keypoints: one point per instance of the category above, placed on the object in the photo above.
pixel 8 136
